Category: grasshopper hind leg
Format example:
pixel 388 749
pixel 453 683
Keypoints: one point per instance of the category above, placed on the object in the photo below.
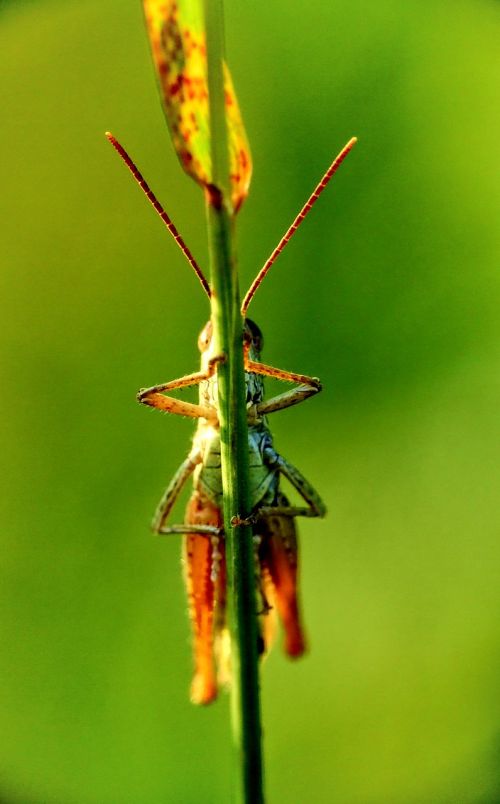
pixel 204 571
pixel 278 557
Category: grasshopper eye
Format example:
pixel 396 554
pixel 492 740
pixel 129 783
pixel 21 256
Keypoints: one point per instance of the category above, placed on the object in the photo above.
pixel 253 336
pixel 205 337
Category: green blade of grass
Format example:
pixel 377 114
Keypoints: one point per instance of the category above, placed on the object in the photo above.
pixel 228 331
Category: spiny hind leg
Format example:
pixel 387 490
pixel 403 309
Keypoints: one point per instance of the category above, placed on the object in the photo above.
pixel 278 556
pixel 200 590
pixel 204 574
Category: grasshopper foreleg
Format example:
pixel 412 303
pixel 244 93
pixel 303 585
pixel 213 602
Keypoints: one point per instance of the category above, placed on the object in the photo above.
pixel 293 397
pixel 307 386
pixel 155 395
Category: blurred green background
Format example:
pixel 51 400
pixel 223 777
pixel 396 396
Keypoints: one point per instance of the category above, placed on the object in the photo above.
pixel 389 293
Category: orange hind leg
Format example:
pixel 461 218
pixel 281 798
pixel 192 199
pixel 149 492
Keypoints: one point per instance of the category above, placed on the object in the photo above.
pixel 202 559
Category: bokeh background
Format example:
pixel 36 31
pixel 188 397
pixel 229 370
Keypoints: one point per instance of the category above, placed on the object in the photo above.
pixel 389 293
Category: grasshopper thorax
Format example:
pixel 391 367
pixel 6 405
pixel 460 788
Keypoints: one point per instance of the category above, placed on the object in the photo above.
pixel 253 340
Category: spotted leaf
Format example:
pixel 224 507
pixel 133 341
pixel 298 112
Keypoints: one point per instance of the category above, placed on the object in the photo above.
pixel 177 40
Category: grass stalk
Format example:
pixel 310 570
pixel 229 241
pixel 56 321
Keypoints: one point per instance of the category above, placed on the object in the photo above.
pixel 228 329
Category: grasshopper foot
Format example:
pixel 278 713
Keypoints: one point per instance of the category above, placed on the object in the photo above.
pixel 237 521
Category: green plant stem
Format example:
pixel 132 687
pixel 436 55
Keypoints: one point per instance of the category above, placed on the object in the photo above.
pixel 228 330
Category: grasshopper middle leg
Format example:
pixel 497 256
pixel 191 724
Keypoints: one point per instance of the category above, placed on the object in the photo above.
pixel 315 505
pixel 170 496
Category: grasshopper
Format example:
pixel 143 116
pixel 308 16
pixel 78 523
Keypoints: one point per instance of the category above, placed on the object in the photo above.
pixel 273 517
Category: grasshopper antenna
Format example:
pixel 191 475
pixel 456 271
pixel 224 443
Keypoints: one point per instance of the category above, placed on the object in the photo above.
pixel 295 225
pixel 141 181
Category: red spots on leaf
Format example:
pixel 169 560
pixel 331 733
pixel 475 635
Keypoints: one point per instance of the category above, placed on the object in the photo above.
pixel 176 85
pixel 179 52
pixel 243 159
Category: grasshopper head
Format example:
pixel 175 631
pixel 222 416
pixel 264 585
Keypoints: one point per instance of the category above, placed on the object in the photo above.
pixel 252 339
